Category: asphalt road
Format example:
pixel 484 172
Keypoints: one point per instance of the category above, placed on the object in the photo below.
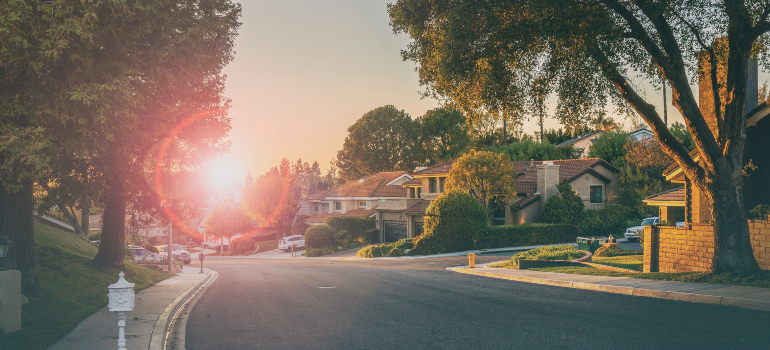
pixel 416 304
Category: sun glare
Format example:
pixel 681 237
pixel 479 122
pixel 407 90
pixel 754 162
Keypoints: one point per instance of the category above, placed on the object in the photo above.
pixel 223 173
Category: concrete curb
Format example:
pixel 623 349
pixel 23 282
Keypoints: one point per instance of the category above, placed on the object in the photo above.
pixel 642 292
pixel 163 323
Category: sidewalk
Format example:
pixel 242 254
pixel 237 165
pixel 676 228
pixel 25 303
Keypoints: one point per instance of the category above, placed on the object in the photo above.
pixel 147 324
pixel 708 293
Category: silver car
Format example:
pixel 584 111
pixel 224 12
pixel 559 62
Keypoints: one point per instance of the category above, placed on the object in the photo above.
pixel 631 232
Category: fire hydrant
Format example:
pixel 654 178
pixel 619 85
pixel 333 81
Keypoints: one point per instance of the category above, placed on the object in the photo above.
pixel 471 260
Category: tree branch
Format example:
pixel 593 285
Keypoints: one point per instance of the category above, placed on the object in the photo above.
pixel 668 142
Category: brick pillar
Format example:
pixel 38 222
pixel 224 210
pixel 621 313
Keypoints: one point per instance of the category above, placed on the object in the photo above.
pixel 651 248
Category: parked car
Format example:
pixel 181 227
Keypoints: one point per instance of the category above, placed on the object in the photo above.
pixel 178 252
pixel 631 232
pixel 297 240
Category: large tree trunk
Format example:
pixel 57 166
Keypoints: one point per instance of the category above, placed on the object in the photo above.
pixel 17 221
pixel 732 244
pixel 70 216
pixel 111 249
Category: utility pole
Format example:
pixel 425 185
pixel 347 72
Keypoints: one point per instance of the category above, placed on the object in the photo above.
pixel 665 107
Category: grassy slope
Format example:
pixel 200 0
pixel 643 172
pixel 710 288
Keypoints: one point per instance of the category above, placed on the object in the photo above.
pixel 72 288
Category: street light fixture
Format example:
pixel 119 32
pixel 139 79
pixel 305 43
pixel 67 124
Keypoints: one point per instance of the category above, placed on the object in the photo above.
pixel 5 243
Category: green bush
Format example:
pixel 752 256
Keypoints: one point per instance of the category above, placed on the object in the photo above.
pixel 610 220
pixel 372 251
pixel 373 234
pixel 312 252
pixel 760 212
pixel 319 236
pixel 527 234
pixel 565 208
pixel 151 248
pixel 554 252
pixel 299 226
pixel 607 251
pixel 95 236
pixel 452 223
pixel 356 227
pixel 395 252
pixel 244 246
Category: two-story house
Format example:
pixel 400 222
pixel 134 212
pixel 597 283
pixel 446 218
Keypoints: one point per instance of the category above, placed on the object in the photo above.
pixel 356 198
pixel 593 179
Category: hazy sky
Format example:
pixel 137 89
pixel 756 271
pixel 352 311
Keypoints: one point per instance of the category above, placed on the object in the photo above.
pixel 305 70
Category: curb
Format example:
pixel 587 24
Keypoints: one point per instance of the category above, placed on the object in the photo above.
pixel 641 292
pixel 159 337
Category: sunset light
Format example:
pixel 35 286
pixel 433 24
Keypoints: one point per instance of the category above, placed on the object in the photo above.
pixel 224 173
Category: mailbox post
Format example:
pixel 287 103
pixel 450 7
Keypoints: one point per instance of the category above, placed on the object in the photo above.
pixel 121 301
pixel 201 257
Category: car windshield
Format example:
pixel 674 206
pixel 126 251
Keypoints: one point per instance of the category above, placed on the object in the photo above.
pixel 647 222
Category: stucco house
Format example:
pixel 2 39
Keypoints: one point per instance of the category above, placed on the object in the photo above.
pixel 583 142
pixel 593 179
pixel 357 198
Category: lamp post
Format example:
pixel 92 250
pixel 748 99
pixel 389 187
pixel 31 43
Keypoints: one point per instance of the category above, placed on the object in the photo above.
pixel 5 243
pixel 121 301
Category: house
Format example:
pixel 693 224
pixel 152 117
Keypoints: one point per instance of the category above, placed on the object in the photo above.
pixel 583 142
pixel 593 179
pixel 357 198
pixel 641 134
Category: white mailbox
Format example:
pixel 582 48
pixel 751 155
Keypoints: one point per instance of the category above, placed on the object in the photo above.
pixel 121 301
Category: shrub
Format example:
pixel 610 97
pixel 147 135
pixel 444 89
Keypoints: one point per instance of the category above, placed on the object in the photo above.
pixel 610 220
pixel 356 227
pixel 151 248
pixel 372 251
pixel 373 234
pixel 554 252
pixel 245 245
pixel 760 212
pixel 610 251
pixel 299 226
pixel 565 208
pixel 527 234
pixel 311 252
pixel 452 222
pixel 319 236
pixel 396 252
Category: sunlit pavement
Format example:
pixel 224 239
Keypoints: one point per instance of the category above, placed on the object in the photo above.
pixel 416 304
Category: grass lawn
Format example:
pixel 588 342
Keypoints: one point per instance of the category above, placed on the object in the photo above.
pixel 555 252
pixel 72 288
pixel 634 262
pixel 265 246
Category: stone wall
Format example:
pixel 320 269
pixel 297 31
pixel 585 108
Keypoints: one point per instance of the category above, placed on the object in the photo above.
pixel 690 248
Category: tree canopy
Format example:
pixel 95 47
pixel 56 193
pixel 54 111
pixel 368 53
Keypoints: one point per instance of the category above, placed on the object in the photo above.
pixel 444 135
pixel 226 220
pixel 489 177
pixel 531 150
pixel 483 55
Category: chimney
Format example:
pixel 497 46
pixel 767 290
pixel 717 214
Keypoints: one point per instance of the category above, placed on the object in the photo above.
pixel 547 179
pixel 705 91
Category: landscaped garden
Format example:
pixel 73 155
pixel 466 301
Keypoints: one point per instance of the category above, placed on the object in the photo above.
pixel 338 234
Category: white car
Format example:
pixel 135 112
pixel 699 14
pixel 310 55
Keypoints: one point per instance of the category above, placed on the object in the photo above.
pixel 631 232
pixel 298 241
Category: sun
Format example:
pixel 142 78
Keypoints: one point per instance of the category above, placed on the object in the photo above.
pixel 223 173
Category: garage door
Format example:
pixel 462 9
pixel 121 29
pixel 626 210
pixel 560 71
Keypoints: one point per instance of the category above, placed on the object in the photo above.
pixel 394 230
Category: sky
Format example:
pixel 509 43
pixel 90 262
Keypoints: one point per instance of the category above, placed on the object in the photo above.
pixel 305 70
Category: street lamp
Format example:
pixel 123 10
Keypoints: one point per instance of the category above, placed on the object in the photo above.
pixel 121 301
pixel 5 243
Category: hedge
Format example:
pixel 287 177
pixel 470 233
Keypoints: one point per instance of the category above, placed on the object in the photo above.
pixel 356 228
pixel 319 236
pixel 245 245
pixel 527 234
pixel 610 220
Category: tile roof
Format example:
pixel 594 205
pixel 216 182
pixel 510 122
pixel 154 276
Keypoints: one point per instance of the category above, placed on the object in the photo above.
pixel 321 218
pixel 373 185
pixel 569 169
pixel 694 154
pixel 412 182
pixel 442 168
pixel 418 208
pixel 525 201
pixel 672 195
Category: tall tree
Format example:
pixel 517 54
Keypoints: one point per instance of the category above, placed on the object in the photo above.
pixel 444 135
pixel 226 220
pixel 489 177
pixel 471 50
pixel 383 139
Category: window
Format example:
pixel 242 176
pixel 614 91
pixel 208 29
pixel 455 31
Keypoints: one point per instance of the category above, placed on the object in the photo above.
pixel 362 204
pixel 419 192
pixel 432 188
pixel 441 181
pixel 596 194
pixel 412 192
pixel 337 205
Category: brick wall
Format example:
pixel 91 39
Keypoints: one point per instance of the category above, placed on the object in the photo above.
pixel 690 248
